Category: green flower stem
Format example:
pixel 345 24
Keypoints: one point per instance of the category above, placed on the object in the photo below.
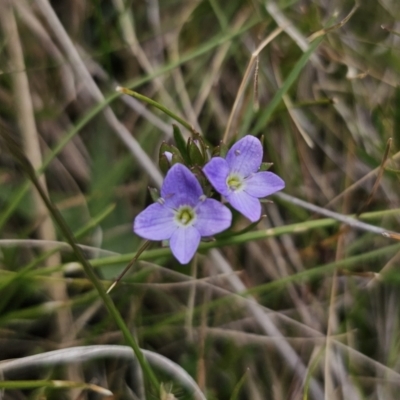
pixel 28 169
pixel 153 254
pixel 55 384
pixel 242 238
pixel 81 232
pixel 153 103
pixel 128 267
pixel 98 285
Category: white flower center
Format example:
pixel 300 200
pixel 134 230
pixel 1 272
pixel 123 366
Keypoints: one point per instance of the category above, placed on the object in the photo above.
pixel 235 182
pixel 185 216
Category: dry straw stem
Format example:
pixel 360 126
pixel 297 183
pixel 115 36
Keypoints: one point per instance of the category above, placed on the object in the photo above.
pixel 378 178
pixel 245 79
pixel 127 24
pixel 131 102
pixel 344 349
pixel 294 114
pixel 355 185
pixel 54 245
pixel 13 148
pixel 283 22
pixel 214 71
pixel 267 325
pixel 348 220
pixel 335 26
pixel 84 76
pixel 89 353
pixel 31 142
pixel 67 76
pixel 180 87
pixel 54 384
pixel 30 20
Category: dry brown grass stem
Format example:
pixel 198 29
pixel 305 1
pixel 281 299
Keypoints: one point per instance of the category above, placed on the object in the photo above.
pixel 245 79
pixel 31 140
pixel 335 26
pixel 214 72
pixel 377 182
pixel 267 325
pixel 290 29
pixel 296 115
pixel 127 25
pixel 84 76
pixel 361 181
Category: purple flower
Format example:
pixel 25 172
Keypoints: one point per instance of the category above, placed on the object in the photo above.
pixel 237 178
pixel 182 215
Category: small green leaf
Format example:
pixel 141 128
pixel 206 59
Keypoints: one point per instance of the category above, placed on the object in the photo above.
pixel 163 163
pixel 154 193
pixel 196 157
pixel 202 145
pixel 238 386
pixel 169 148
pixel 177 159
pixel 223 149
pixel 181 144
pixel 265 166
pixel 216 151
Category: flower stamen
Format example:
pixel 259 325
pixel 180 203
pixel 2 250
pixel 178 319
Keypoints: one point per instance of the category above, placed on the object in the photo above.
pixel 234 182
pixel 185 216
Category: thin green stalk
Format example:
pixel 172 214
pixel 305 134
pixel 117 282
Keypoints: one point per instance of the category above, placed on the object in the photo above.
pixel 153 103
pixel 296 228
pixel 38 260
pixel 46 308
pixel 54 384
pixel 154 254
pixel 326 268
pixel 128 267
pixel 27 168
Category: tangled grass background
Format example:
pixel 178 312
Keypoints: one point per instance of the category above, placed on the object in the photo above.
pixel 305 305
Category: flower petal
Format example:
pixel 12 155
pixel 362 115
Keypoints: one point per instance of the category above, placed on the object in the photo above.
pixel 212 217
pixel 264 183
pixel 184 243
pixel 245 156
pixel 180 181
pixel 156 222
pixel 248 205
pixel 216 171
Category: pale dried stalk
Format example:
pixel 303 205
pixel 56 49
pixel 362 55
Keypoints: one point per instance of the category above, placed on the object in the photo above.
pixel 97 70
pixel 84 76
pixel 346 219
pixel 180 87
pixel 89 353
pixel 215 67
pixel 31 143
pixel 358 183
pixel 268 326
pixel 245 79
pixel 294 114
pixel 283 22
pixel 128 31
